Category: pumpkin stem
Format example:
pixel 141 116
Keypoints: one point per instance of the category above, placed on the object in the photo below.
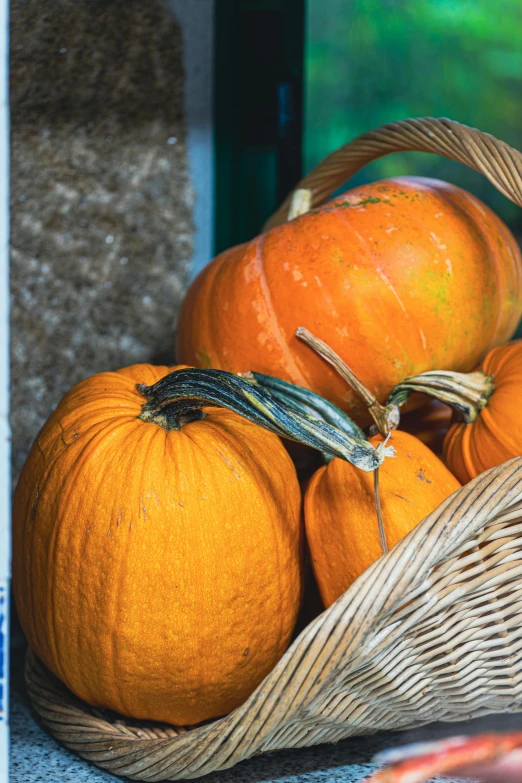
pixel 182 393
pixel 300 203
pixel 306 401
pixel 386 417
pixel 466 393
pixel 378 508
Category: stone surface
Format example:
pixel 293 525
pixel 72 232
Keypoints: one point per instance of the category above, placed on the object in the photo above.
pixel 37 758
pixel 101 203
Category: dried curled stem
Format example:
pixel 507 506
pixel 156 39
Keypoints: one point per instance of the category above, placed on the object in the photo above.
pixel 466 393
pixel 386 417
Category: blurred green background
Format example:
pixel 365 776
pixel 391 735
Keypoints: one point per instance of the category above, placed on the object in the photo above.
pixel 369 62
pixel 307 76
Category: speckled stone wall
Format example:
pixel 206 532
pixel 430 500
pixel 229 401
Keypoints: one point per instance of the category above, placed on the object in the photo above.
pixel 101 225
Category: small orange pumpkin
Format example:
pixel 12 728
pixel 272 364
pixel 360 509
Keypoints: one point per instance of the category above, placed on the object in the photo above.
pixel 351 518
pixel 487 402
pixel 340 517
pixel 398 277
pixel 156 559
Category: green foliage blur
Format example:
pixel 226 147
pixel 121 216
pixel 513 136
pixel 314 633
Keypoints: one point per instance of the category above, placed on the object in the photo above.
pixel 369 62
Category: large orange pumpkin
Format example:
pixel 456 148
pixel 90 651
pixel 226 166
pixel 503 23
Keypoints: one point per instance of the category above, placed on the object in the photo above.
pixel 398 277
pixel 488 403
pixel 156 563
pixel 340 514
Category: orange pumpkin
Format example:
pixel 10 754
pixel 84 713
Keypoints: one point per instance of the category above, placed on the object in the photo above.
pixel 487 402
pixel 398 277
pixel 156 559
pixel 340 515
pixel 495 435
pixel 347 528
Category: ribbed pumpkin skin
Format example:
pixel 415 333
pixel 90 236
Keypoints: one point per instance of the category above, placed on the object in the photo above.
pixel 496 434
pixel 340 516
pixel 156 572
pixel 398 277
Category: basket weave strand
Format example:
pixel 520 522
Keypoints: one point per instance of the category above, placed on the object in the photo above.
pixel 497 161
pixel 431 631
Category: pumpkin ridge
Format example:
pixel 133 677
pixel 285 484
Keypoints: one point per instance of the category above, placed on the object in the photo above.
pixel 387 282
pixel 129 436
pixel 335 306
pixel 134 373
pixel 127 445
pixel 28 576
pixel 55 538
pixel 419 183
pixel 498 434
pixel 54 648
pixel 238 435
pixel 491 246
pixel 497 359
pixel 137 434
pixel 458 440
pixel 425 185
pixel 261 490
pixel 301 380
pixel 24 533
pixel 112 611
pixel 384 277
pixel 515 269
pixel 340 212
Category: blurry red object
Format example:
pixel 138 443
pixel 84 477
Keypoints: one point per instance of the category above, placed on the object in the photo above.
pixel 493 758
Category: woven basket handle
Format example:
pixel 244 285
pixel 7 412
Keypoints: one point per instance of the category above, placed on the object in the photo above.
pixel 501 164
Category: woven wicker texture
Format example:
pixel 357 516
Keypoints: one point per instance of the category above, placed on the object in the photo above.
pixel 500 163
pixel 432 631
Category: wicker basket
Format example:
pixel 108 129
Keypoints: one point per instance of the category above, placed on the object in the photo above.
pixel 431 631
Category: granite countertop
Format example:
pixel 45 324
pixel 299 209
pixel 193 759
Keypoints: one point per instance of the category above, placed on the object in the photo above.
pixel 37 758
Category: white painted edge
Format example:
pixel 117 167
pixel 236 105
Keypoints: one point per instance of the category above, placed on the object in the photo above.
pixel 5 447
pixel 197 28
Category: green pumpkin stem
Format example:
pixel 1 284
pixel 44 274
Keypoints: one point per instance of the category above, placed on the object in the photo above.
pixel 386 417
pixel 180 396
pixel 466 393
pixel 306 401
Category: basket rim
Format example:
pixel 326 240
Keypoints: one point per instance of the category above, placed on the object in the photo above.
pixel 496 160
